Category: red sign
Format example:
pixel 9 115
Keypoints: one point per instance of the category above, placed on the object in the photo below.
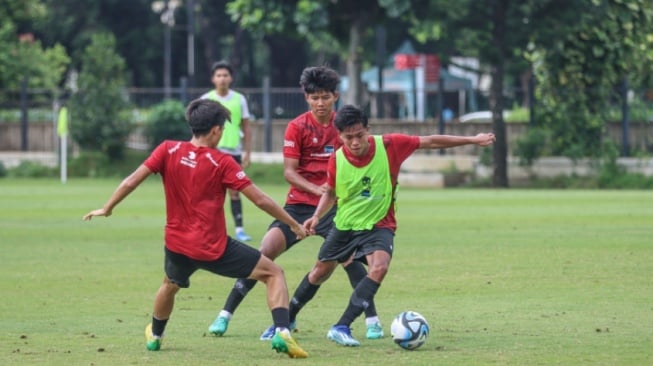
pixel 404 61
pixel 432 68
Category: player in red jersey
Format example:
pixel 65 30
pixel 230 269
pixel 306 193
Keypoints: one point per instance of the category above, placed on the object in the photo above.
pixel 362 177
pixel 195 178
pixel 309 142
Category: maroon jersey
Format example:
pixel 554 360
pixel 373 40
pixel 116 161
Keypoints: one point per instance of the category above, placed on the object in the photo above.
pixel 312 144
pixel 195 180
pixel 398 147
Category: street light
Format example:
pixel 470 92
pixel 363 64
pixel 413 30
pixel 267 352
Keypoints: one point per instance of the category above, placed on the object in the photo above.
pixel 166 9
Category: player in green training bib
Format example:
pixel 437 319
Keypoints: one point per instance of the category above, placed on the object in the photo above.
pixel 362 177
pixel 236 138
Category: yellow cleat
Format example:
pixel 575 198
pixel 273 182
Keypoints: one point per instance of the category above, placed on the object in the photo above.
pixel 283 342
pixel 153 342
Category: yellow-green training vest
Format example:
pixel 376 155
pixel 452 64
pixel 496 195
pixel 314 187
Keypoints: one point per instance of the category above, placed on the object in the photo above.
pixel 231 134
pixel 364 194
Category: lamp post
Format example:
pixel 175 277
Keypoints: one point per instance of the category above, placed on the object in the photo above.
pixel 166 9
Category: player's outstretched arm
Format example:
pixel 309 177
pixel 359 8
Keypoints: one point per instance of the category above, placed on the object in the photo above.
pixel 126 187
pixel 447 141
pixel 267 204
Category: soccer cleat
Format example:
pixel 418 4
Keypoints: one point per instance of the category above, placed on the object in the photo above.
pixel 374 331
pixel 283 342
pixel 341 334
pixel 219 326
pixel 269 332
pixel 242 236
pixel 153 342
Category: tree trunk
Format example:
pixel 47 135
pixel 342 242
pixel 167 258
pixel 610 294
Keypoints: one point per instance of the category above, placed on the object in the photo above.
pixel 500 149
pixel 355 88
pixel 287 60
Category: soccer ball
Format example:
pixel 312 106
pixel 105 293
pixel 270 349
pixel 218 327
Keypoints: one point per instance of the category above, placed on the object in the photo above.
pixel 409 330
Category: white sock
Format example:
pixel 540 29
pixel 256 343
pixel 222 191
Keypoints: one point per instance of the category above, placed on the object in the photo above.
pixel 372 320
pixel 225 314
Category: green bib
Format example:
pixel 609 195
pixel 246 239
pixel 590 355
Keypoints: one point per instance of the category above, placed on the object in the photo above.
pixel 231 134
pixel 364 194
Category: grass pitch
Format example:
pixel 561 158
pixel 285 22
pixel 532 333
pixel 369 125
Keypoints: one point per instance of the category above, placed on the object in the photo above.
pixel 508 277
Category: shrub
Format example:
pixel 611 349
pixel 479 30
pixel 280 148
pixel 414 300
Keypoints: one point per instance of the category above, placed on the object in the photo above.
pixel 29 169
pixel 166 121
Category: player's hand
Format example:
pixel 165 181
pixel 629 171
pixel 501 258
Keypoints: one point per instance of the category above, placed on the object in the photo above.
pixel 311 224
pixel 320 190
pixel 299 230
pixel 485 139
pixel 98 212
pixel 245 161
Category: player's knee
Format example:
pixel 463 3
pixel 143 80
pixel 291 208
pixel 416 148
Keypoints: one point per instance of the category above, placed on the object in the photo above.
pixel 321 272
pixel 378 271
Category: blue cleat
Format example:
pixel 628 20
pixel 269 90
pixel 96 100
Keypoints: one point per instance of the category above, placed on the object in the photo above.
pixel 269 333
pixel 341 334
pixel 219 326
pixel 374 331
pixel 242 236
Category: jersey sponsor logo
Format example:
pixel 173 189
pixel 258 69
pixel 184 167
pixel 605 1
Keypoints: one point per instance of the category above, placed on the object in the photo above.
pixel 241 175
pixel 320 155
pixel 288 143
pixel 174 148
pixel 208 156
pixel 189 160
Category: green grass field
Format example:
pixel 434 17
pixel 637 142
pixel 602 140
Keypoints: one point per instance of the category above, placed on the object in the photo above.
pixel 505 277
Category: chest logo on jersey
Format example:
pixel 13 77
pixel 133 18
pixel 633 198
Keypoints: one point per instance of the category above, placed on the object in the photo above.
pixel 189 160
pixel 329 149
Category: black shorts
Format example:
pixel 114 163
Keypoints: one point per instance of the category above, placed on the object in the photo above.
pixel 341 245
pixel 237 158
pixel 302 213
pixel 237 261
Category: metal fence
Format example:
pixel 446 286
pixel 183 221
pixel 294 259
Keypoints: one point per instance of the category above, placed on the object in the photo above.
pixel 32 107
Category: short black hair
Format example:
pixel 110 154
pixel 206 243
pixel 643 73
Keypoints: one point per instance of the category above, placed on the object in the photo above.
pixel 204 114
pixel 348 116
pixel 222 64
pixel 319 78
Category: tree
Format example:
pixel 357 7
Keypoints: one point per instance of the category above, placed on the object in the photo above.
pixel 21 55
pixel 577 73
pixel 335 28
pixel 99 110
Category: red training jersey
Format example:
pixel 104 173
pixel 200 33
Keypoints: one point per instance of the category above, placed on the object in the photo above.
pixel 312 144
pixel 398 147
pixel 195 180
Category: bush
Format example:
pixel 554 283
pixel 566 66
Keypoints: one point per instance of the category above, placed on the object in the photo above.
pixel 96 164
pixel 29 169
pixel 166 121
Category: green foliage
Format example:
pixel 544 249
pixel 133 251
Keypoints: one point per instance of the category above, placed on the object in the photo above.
pixel 99 110
pixel 166 121
pixel 581 69
pixel 95 164
pixel 29 169
pixel 44 67
pixel 3 170
pixel 532 145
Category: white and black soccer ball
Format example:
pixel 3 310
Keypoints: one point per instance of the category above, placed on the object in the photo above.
pixel 409 330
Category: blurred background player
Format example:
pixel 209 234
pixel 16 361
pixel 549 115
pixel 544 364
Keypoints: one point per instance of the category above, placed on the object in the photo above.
pixel 237 136
pixel 195 179
pixel 310 140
